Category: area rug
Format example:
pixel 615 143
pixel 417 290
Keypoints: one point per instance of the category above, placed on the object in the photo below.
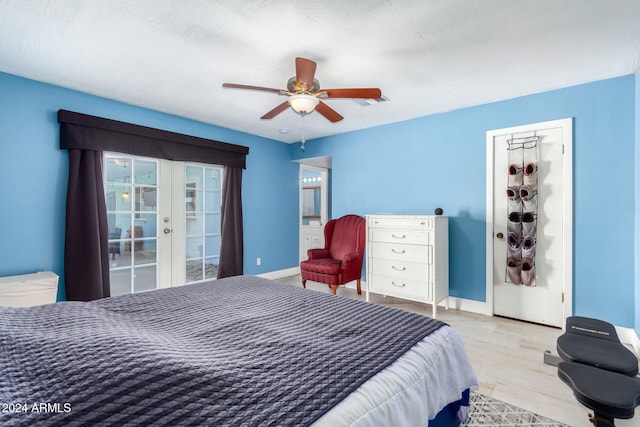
pixel 486 411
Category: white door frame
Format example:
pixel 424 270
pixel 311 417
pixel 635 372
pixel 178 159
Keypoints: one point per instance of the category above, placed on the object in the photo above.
pixel 315 232
pixel 567 208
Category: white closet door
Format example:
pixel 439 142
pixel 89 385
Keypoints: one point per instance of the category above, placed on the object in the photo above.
pixel 549 301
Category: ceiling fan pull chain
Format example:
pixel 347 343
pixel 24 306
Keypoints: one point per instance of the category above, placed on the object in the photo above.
pixel 302 142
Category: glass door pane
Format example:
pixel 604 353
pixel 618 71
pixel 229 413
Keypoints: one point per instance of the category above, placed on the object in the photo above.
pixel 131 190
pixel 202 195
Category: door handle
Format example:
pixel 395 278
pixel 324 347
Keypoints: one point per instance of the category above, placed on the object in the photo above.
pixel 500 236
pixel 167 230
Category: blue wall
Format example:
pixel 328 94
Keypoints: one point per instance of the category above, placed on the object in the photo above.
pixel 440 161
pixel 33 173
pixel 637 198
pixel 409 167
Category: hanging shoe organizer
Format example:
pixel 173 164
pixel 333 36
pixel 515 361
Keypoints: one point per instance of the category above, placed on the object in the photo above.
pixel 522 210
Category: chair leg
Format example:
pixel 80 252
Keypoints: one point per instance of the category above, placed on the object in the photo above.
pixel 359 288
pixel 601 421
pixel 334 288
pixel 304 283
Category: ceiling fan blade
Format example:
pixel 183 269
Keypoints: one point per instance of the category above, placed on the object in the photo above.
pixel 366 93
pixel 331 114
pixel 279 109
pixel 305 71
pixel 264 89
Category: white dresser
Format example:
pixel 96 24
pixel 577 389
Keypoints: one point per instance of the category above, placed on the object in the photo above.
pixel 408 257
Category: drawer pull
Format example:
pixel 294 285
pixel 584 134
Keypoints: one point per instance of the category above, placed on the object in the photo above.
pixel 398 237
pixel 395 251
pixel 398 269
pixel 402 285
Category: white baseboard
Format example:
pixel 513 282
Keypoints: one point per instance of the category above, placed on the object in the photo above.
pixel 280 273
pixel 478 307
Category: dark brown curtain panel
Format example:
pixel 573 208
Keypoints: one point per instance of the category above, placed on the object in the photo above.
pixel 231 247
pixel 86 235
pixel 86 258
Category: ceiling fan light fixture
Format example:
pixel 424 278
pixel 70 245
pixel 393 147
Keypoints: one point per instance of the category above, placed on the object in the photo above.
pixel 304 94
pixel 303 103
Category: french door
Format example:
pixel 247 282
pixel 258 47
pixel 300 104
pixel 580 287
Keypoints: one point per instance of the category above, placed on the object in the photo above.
pixel 164 222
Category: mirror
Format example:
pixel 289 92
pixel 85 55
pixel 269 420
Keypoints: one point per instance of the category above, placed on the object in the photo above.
pixel 310 204
pixel 311 198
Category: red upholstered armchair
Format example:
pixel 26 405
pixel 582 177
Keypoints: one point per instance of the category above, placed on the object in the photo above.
pixel 340 261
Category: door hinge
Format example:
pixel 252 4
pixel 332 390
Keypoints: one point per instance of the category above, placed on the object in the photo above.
pixel 563 297
pixel 562 148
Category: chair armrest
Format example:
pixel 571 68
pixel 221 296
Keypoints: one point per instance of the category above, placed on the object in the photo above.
pixel 347 258
pixel 318 253
pixel 350 266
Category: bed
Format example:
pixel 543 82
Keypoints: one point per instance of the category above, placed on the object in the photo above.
pixel 240 351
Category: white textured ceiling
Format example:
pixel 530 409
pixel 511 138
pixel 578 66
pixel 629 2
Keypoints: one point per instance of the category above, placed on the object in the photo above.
pixel 427 56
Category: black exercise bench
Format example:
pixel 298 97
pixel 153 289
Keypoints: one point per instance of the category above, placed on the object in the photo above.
pixel 599 369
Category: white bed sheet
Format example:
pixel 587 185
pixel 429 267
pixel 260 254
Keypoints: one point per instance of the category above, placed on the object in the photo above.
pixel 412 390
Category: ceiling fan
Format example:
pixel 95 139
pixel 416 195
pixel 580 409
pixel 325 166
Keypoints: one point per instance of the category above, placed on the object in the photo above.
pixel 305 95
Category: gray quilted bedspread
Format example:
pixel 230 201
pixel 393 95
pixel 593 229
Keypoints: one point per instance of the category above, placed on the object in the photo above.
pixel 241 351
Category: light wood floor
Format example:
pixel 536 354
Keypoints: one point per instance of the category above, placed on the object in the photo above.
pixel 507 356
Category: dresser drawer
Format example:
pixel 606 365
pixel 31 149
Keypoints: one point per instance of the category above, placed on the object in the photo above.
pixel 408 237
pixel 401 222
pixel 407 270
pixel 400 252
pixel 400 287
